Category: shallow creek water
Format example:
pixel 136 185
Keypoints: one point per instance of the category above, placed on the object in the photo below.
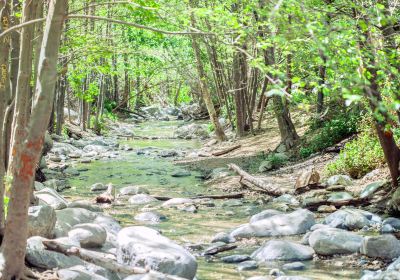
pixel 183 227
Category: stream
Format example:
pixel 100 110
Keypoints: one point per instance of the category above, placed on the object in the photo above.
pixel 147 168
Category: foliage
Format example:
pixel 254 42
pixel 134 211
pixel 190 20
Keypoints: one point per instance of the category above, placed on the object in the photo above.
pixel 323 135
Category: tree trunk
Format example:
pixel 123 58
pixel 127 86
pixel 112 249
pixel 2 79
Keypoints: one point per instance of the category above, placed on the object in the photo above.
pixel 4 94
pixel 219 131
pixel 28 152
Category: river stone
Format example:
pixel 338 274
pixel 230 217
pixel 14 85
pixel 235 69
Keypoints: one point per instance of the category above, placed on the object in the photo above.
pixel 247 265
pixel 223 237
pixel 297 222
pixel 39 186
pixel 78 273
pixel 275 272
pixel 384 246
pixel 58 185
pixel 307 178
pixel 88 235
pixel 264 215
pixel 146 247
pixel 97 187
pixel 331 241
pixel 132 190
pixel 64 149
pixel 294 266
pixel 39 257
pixel 85 205
pixel 260 278
pixel 287 199
pixel 69 217
pixel 235 258
pixel 281 250
pixel 326 209
pixel 352 219
pixel 50 197
pixel 394 223
pixel 152 217
pixel 370 189
pixel 177 201
pixel 339 196
pixel 139 199
pixel 232 203
pixel 343 180
pixel 292 278
pixel 41 221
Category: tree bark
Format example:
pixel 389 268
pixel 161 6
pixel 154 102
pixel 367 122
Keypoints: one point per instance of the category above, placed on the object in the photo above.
pixel 219 131
pixel 28 152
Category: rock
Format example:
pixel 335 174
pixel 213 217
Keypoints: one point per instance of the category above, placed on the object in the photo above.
pixel 307 178
pixel 58 185
pixel 48 196
pixel 64 149
pixel 287 199
pixel 259 278
pixel 88 205
pixel 232 203
pixel 281 250
pixel 187 208
pixel 98 149
pixel 339 196
pixel 326 209
pixel 384 246
pixel 343 180
pixel 37 256
pixel 180 174
pixel 142 246
pixel 97 187
pixel 132 190
pixel 371 188
pixel 88 235
pixel 276 272
pixel 387 229
pixel 139 199
pixel 173 202
pixel 170 153
pixel 330 241
pixel 235 258
pixel 352 219
pixel 394 223
pixel 294 266
pixel 192 131
pixel 41 221
pixel 297 222
pixel 69 217
pixel 223 237
pixel 264 215
pixel 39 186
pixel 151 217
pixel 78 273
pixel 304 240
pixel 247 265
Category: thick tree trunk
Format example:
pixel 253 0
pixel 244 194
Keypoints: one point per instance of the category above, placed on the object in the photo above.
pixel 28 152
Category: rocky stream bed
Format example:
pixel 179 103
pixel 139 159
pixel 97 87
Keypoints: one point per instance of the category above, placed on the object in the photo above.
pixel 201 238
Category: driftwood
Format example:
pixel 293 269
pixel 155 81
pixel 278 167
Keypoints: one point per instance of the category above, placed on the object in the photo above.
pixel 211 196
pixel 108 196
pixel 261 184
pixel 226 151
pixel 219 249
pixel 103 260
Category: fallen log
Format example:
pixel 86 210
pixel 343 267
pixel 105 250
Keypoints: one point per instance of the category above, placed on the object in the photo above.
pixel 211 196
pixel 259 183
pixel 108 196
pixel 226 151
pixel 104 260
pixel 219 249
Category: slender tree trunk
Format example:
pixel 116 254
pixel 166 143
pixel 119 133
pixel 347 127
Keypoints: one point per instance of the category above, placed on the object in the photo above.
pixel 4 95
pixel 23 93
pixel 28 152
pixel 219 131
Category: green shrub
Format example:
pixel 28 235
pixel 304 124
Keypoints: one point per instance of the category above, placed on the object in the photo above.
pixel 323 135
pixel 360 155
